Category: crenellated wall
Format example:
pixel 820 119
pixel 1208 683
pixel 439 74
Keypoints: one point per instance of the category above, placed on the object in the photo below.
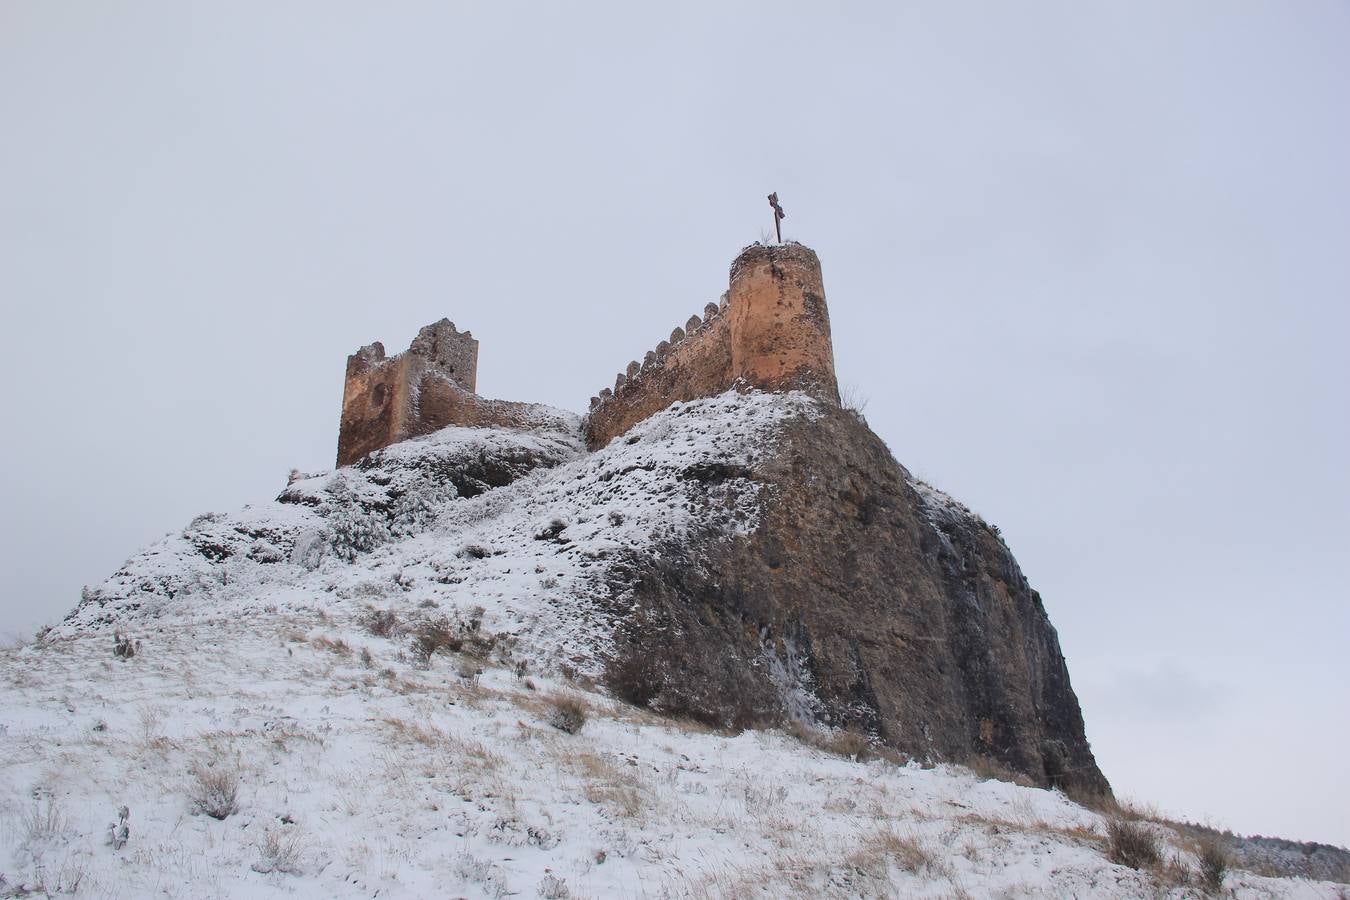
pixel 771 331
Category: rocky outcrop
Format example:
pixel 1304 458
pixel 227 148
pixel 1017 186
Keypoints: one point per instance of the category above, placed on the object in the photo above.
pixel 864 600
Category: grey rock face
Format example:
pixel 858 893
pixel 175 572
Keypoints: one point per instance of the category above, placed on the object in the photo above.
pixel 864 600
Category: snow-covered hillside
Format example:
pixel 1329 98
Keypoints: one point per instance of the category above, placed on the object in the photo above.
pixel 380 685
pixel 520 523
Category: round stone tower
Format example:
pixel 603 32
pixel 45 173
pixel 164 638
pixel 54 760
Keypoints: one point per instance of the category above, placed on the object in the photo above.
pixel 780 326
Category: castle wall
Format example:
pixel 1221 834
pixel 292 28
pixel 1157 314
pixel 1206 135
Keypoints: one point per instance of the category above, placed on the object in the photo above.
pixel 698 365
pixel 382 397
pixel 375 403
pixel 771 331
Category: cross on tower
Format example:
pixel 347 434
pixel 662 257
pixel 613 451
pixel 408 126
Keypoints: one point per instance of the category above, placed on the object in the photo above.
pixel 778 216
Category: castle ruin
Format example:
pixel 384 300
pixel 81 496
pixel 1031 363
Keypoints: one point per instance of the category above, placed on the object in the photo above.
pixel 771 330
pixel 427 387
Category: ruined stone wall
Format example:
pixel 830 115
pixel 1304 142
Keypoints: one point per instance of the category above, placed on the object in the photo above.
pixel 389 399
pixel 771 331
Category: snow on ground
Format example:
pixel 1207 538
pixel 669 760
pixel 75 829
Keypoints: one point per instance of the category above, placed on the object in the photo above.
pixel 362 774
pixel 398 533
pixel 277 648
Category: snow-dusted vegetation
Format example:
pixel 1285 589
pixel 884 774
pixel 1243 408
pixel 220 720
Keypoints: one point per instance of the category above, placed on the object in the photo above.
pixel 381 684
pixel 301 755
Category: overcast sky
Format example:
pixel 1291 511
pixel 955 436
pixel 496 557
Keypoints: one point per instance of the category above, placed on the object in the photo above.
pixel 1089 261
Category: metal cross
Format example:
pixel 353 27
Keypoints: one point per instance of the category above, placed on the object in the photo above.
pixel 778 216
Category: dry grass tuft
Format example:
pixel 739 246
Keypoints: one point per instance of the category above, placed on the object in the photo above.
pixel 213 789
pixel 566 713
pixel 990 769
pixel 382 622
pixel 906 852
pixel 1132 843
pixel 605 784
pixel 849 744
pixel 280 851
pixel 336 645
pixel 406 731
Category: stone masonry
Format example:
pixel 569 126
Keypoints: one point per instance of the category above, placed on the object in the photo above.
pixel 426 388
pixel 771 331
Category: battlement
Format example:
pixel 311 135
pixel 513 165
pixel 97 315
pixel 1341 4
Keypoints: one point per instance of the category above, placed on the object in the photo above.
pixel 771 330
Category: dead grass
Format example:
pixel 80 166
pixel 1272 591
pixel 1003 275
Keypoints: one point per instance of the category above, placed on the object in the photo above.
pixel 410 732
pixel 990 769
pixel 849 744
pixel 1033 825
pixel 213 788
pixel 280 850
pixel 886 847
pixel 382 622
pixel 616 788
pixel 1130 842
pixel 565 712
pixel 335 645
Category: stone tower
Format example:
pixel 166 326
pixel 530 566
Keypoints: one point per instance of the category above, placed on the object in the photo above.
pixel 780 326
pixel 771 331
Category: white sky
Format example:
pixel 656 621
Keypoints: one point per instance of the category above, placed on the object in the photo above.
pixel 1089 261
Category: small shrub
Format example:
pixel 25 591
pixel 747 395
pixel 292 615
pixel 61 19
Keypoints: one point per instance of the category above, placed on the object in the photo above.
pixel 1213 864
pixel 366 659
pixel 1131 843
pixel 279 851
pixel 852 400
pixel 120 831
pixel 44 820
pixel 382 623
pixel 214 790
pixel 552 531
pixel 566 713
pixel 475 551
pixel 123 646
pixel 551 887
pixel 432 636
pixel 463 634
pixel 353 531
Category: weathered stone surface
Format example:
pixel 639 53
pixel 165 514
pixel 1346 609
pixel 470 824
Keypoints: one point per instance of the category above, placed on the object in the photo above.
pixel 454 354
pixel 772 331
pixel 898 611
pixel 390 399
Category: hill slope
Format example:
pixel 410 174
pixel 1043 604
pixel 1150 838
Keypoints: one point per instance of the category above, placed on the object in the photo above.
pixel 391 662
